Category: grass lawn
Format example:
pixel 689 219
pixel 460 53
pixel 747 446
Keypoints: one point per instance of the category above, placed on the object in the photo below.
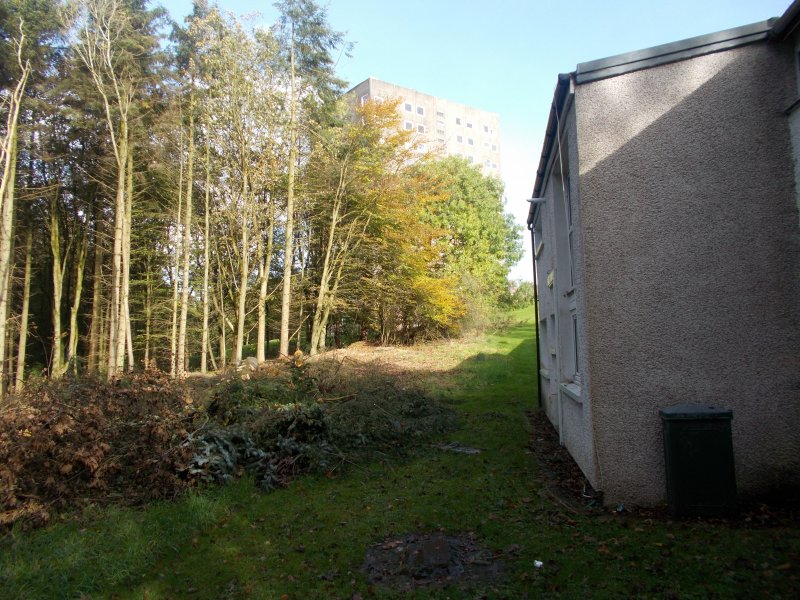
pixel 309 540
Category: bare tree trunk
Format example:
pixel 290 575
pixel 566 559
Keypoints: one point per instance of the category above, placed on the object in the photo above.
pixel 299 339
pixel 262 293
pixel 8 158
pixel 286 296
pixel 223 349
pixel 206 252
pixel 105 309
pixel 187 232
pixel 126 261
pixel 23 325
pixel 244 263
pixel 148 315
pixel 116 330
pixel 57 365
pixel 318 325
pixel 99 36
pixel 173 357
pixel 95 336
pixel 72 345
pixel 351 242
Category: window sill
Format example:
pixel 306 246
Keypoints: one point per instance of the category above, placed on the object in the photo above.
pixel 544 373
pixel 792 107
pixel 573 391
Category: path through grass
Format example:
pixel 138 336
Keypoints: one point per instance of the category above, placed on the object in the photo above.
pixel 308 540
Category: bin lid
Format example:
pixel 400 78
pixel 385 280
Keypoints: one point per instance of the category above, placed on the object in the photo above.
pixel 695 411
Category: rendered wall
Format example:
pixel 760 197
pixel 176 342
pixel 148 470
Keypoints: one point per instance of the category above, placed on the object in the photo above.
pixel 691 257
pixel 570 414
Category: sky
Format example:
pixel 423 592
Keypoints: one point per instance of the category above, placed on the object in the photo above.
pixel 503 56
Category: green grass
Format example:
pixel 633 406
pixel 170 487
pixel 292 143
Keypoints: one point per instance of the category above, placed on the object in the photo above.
pixel 308 541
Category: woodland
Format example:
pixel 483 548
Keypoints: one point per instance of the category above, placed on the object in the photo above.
pixel 177 196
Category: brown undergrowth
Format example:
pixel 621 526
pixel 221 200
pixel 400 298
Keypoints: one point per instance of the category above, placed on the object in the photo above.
pixel 76 442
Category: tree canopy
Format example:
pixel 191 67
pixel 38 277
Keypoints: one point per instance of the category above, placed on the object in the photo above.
pixel 207 188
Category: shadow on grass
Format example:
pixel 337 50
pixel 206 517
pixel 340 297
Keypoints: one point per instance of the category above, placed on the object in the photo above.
pixel 309 540
pixel 224 542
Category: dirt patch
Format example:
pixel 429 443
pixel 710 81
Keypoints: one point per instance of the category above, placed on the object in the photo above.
pixel 560 477
pixel 564 483
pixel 434 560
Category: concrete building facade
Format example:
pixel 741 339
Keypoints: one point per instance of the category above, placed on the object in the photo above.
pixel 443 126
pixel 665 233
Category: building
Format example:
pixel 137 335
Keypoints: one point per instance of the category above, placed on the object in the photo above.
pixel 451 128
pixel 664 223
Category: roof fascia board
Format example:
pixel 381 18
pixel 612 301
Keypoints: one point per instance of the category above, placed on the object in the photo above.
pixel 564 89
pixel 788 22
pixel 675 51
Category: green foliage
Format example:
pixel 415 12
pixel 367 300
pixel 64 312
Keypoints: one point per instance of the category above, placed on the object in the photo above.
pixel 379 415
pixel 308 541
pixel 276 429
pixel 518 295
pixel 478 243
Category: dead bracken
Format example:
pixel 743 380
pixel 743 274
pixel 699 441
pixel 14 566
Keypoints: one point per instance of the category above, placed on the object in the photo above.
pixel 433 560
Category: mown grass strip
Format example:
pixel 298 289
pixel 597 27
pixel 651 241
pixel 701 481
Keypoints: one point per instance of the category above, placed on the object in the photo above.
pixel 309 540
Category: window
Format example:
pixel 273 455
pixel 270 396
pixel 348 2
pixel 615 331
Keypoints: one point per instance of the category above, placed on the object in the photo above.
pixel 409 125
pixel 471 142
pixel 494 147
pixel 575 343
pixel 494 165
pixel 440 114
pixel 488 163
pixel 469 125
pixel 460 139
pixel 440 132
pixel 568 208
pixel 470 159
pixel 421 128
pixel 458 120
pixel 364 99
pixel 408 107
pixel 485 129
pixel 420 110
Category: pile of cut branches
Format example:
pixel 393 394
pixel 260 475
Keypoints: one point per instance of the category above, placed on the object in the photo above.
pixel 87 441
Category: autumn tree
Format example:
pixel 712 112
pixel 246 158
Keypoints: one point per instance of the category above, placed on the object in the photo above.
pixel 307 43
pixel 479 242
pixel 115 41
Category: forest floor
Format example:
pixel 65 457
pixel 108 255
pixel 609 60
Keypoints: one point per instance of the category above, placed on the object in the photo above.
pixel 492 508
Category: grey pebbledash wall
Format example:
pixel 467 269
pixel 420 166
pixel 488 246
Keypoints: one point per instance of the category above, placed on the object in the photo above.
pixel 691 261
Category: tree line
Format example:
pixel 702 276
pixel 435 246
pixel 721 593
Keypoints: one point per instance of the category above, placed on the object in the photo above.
pixel 178 194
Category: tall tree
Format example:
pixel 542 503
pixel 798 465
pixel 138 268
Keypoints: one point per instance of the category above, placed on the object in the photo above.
pixel 116 41
pixel 12 104
pixel 307 41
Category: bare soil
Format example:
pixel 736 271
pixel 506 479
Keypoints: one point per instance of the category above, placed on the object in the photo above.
pixel 433 560
pixel 563 482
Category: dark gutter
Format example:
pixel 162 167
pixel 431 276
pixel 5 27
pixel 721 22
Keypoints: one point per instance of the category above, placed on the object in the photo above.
pixel 559 96
pixel 673 52
pixel 787 23
pixel 551 135
pixel 536 316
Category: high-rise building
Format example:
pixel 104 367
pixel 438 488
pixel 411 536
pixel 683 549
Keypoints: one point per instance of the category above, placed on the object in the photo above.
pixel 448 127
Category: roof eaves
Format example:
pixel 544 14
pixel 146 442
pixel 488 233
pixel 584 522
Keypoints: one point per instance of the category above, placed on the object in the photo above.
pixel 672 52
pixel 788 22
pixel 559 97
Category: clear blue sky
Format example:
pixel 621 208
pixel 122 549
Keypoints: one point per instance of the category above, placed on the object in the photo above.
pixel 504 55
